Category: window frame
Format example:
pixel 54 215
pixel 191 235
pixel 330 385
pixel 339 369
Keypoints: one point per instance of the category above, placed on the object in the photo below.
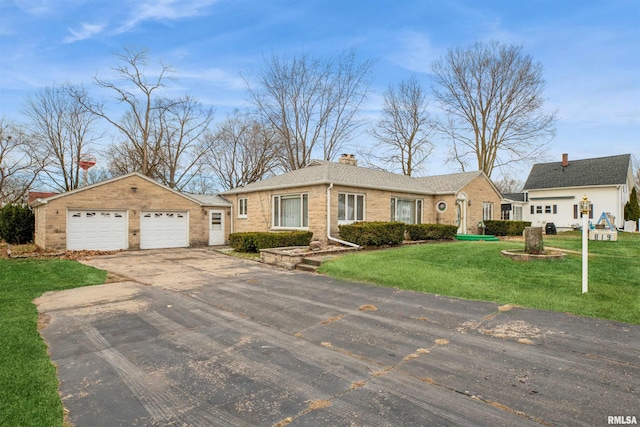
pixel 242 207
pixel 487 211
pixel 418 209
pixel 358 209
pixel 276 211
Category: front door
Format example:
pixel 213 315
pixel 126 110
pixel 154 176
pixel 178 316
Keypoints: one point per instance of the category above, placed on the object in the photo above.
pixel 461 204
pixel 216 227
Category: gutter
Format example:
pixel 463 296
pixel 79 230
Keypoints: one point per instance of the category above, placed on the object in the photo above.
pixel 342 242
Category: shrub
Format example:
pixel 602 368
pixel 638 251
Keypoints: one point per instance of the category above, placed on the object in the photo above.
pixel 17 224
pixel 254 241
pixel 373 233
pixel 431 231
pixel 505 228
pixel 632 208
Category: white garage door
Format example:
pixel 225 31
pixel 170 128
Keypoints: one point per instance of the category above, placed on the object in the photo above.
pixel 96 230
pixel 161 229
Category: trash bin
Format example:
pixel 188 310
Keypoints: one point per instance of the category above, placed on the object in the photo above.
pixel 550 228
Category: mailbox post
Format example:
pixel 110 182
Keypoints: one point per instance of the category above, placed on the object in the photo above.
pixel 585 207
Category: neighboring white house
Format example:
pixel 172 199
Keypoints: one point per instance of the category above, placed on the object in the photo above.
pixel 552 191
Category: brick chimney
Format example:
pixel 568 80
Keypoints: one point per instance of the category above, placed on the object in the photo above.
pixel 565 160
pixel 348 159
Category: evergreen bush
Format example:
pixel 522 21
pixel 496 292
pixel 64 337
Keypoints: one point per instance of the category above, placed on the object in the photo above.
pixel 632 207
pixel 431 231
pixel 17 224
pixel 254 241
pixel 373 233
pixel 505 228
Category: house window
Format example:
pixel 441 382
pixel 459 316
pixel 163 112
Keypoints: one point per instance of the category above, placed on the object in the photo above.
pixel 291 211
pixel 408 211
pixel 487 211
pixel 538 209
pixel 547 209
pixel 517 213
pixel 350 208
pixel 242 208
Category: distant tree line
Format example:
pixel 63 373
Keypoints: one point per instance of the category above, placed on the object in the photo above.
pixel 301 107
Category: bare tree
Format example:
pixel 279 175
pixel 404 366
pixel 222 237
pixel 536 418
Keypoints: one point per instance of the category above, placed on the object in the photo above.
pixel 492 94
pixel 160 137
pixel 19 166
pixel 404 128
pixel 242 151
pixel 140 126
pixel 63 128
pixel 184 146
pixel 311 103
pixel 508 185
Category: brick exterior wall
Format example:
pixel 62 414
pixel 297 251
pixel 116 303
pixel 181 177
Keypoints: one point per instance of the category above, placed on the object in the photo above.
pixel 377 206
pixel 51 218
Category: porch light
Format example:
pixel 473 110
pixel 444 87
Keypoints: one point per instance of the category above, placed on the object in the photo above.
pixel 585 207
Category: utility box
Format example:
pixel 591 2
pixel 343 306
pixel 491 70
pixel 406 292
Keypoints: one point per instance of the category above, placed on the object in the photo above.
pixel 606 235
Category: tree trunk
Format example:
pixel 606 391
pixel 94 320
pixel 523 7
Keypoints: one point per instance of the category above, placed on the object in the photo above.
pixel 533 240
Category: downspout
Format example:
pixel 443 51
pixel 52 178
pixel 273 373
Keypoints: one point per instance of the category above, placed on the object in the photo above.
pixel 342 242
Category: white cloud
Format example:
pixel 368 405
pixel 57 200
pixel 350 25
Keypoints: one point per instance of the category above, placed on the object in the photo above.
pixel 414 51
pixel 160 10
pixel 86 31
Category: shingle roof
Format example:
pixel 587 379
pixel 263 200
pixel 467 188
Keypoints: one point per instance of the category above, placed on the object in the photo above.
pixel 449 183
pixel 326 172
pixel 210 199
pixel 609 170
pixel 515 197
pixel 203 200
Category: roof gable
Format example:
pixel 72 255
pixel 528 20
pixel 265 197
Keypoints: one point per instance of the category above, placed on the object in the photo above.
pixel 205 201
pixel 612 170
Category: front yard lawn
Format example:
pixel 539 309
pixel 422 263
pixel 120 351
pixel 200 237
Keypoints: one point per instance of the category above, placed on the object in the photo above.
pixel 476 270
pixel 28 382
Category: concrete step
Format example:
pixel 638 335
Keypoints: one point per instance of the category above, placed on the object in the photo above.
pixel 307 267
pixel 313 261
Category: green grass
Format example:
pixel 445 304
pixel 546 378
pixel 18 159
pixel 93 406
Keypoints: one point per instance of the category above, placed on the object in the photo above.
pixel 476 270
pixel 28 382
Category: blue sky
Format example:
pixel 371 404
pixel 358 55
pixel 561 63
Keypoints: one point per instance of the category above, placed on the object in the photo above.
pixel 590 51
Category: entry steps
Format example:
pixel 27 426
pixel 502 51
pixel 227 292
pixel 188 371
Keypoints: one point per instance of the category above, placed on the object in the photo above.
pixel 312 264
pixel 477 237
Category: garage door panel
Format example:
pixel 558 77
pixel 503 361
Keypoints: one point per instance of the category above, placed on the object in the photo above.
pixel 96 230
pixel 164 229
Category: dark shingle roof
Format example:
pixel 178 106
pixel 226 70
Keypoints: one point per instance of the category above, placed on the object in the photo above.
pixel 516 197
pixel 610 170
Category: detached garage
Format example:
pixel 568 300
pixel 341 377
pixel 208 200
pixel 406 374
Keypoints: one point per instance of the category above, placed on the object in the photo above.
pixel 164 230
pixel 130 212
pixel 97 230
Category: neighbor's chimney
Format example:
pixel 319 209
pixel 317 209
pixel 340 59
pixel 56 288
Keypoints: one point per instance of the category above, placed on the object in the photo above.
pixel 565 160
pixel 348 159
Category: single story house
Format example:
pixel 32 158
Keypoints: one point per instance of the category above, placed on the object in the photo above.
pixel 130 212
pixel 553 190
pixel 325 195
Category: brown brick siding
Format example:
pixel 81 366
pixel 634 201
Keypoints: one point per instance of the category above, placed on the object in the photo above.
pixel 377 206
pixel 51 218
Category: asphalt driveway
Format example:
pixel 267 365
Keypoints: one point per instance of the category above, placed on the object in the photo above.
pixel 190 337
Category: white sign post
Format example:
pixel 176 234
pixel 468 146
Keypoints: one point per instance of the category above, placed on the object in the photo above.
pixel 585 207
